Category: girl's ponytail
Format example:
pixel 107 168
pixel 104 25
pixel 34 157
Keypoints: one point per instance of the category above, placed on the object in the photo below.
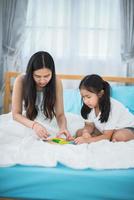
pixel 105 102
pixel 106 88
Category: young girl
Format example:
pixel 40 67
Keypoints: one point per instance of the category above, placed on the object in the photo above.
pixel 105 117
pixel 41 91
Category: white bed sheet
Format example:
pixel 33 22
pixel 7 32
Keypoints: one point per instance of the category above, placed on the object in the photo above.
pixel 20 145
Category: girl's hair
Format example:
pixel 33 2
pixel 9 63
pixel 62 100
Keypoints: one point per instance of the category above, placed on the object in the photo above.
pixel 95 84
pixel 38 61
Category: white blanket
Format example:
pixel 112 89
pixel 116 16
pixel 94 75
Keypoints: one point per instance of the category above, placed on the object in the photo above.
pixel 20 145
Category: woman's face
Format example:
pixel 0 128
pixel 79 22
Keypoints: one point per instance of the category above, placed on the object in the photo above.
pixel 42 77
pixel 90 99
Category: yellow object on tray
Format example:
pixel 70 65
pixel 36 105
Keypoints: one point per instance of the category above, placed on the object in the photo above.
pixel 60 141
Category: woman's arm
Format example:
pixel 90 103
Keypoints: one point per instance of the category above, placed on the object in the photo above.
pixel 17 102
pixel 17 106
pixel 59 110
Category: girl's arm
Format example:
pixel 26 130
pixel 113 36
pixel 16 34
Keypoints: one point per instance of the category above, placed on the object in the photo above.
pixel 89 127
pixel 59 110
pixel 86 130
pixel 17 106
pixel 105 136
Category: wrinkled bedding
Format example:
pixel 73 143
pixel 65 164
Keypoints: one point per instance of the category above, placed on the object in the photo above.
pixel 20 145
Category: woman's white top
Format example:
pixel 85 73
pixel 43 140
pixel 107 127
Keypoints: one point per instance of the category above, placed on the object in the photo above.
pixel 119 117
pixel 39 101
pixel 39 105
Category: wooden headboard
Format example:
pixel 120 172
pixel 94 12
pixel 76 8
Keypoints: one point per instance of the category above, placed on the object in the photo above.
pixel 11 75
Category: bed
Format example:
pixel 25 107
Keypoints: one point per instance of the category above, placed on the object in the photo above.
pixel 61 182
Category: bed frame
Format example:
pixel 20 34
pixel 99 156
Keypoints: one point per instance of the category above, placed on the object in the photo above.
pixel 11 75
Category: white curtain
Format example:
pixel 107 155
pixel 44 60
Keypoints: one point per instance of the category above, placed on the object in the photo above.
pixel 83 36
pixel 13 19
pixel 1 69
pixel 12 28
pixel 127 25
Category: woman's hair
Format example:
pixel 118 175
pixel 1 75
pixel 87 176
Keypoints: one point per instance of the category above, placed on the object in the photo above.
pixel 38 61
pixel 95 84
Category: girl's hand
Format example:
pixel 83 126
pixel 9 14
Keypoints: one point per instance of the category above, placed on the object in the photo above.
pixel 66 133
pixel 79 132
pixel 85 138
pixel 86 135
pixel 81 140
pixel 82 132
pixel 40 131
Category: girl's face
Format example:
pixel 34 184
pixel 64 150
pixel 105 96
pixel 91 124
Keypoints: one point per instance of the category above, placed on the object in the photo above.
pixel 42 77
pixel 90 99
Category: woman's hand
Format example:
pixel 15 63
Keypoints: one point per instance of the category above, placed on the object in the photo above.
pixel 66 133
pixel 40 131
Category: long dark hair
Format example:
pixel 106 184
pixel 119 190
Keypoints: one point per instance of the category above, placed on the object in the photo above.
pixel 95 84
pixel 39 60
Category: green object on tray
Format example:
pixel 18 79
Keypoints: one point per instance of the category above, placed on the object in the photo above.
pixel 61 141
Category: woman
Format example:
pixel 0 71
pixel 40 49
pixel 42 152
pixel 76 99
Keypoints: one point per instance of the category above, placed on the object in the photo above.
pixel 41 91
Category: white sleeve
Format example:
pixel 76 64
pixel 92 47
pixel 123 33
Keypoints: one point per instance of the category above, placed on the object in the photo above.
pixel 115 115
pixel 112 121
pixel 90 117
